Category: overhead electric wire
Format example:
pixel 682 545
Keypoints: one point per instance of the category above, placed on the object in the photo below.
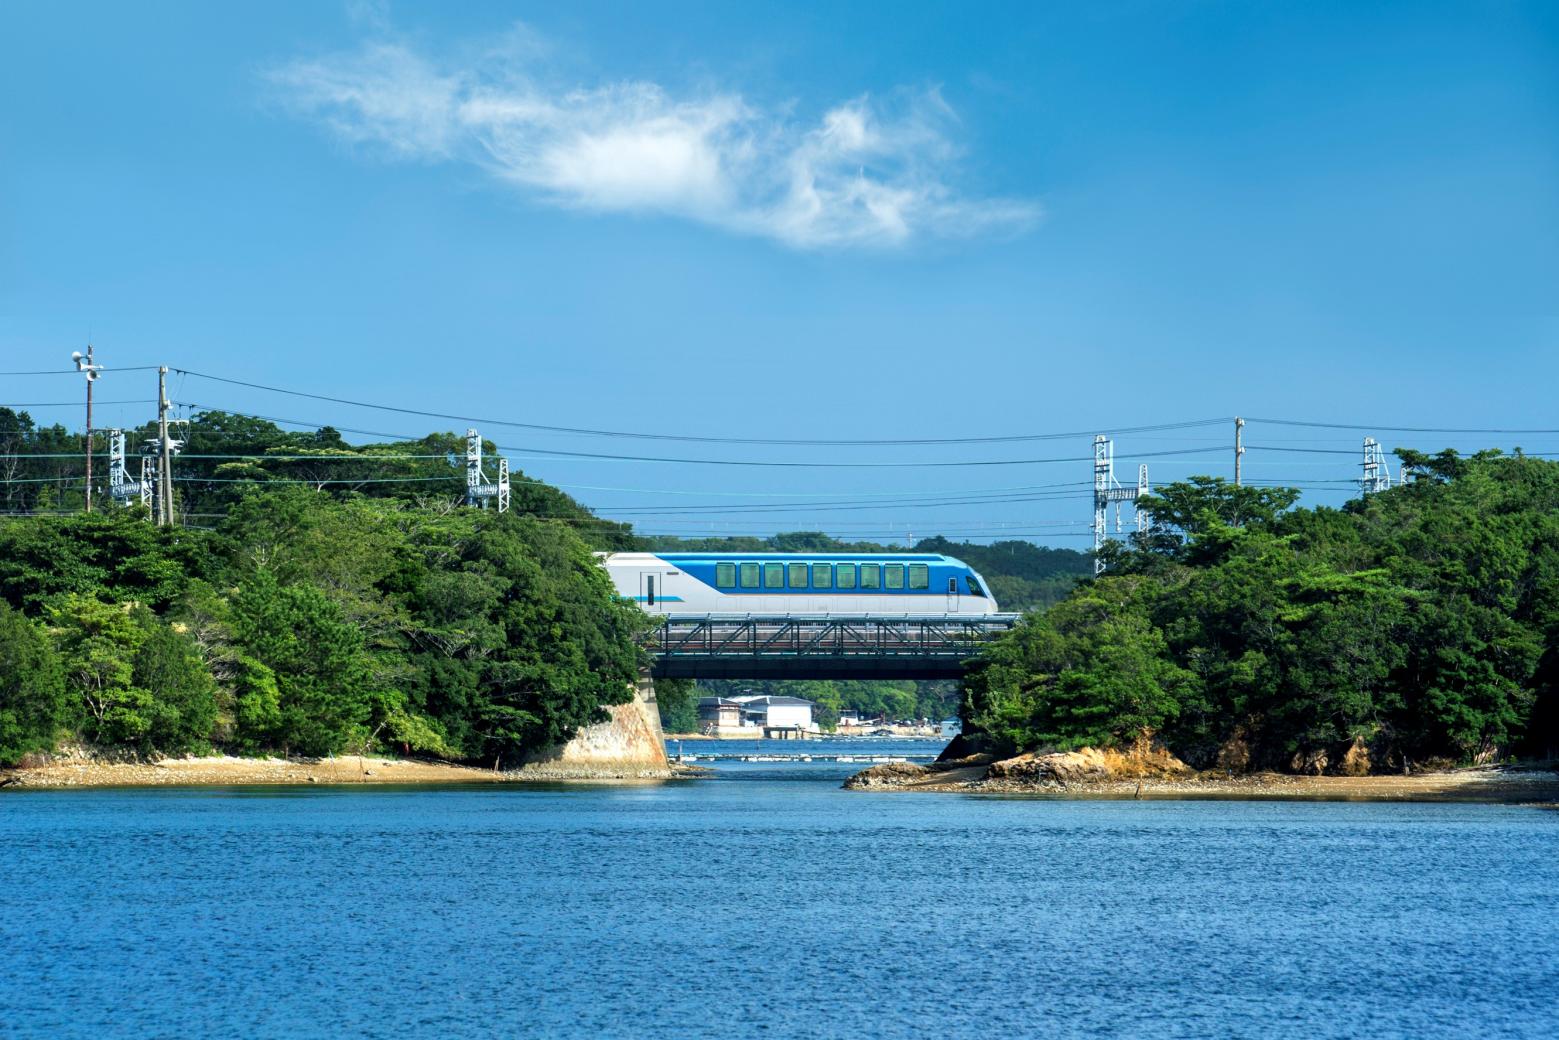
pixel 73 404
pixel 559 453
pixel 321 480
pixel 786 507
pixel 1389 429
pixel 641 435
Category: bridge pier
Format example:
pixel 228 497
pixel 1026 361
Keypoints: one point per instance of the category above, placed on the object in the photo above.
pixel 627 746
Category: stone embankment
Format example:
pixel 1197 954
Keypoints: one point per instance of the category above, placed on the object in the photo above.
pixel 1152 772
pixel 629 745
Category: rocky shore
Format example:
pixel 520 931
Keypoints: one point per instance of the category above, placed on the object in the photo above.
pixel 1091 773
pixel 221 771
pixel 81 771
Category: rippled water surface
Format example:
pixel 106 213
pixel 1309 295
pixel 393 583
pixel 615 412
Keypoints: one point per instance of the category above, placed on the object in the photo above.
pixel 768 902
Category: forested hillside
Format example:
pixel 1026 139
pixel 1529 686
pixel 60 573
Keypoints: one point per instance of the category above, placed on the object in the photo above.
pixel 307 624
pixel 1420 624
pixel 320 596
pixel 316 597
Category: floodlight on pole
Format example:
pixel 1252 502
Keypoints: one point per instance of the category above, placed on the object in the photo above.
pixel 85 365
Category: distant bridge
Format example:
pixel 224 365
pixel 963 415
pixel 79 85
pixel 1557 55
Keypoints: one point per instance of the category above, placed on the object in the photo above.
pixel 792 646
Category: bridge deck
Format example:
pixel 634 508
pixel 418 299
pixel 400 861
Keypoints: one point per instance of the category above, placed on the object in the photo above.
pixel 831 646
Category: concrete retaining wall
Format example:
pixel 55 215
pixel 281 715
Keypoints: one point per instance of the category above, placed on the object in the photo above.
pixel 628 746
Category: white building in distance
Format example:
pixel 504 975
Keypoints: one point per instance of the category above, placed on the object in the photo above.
pixel 751 714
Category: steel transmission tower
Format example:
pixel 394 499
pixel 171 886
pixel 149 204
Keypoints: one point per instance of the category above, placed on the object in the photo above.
pixel 479 490
pixel 1107 490
pixel 1376 474
pixel 121 488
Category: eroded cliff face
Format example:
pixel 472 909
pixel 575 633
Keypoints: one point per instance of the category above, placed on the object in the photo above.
pixel 628 746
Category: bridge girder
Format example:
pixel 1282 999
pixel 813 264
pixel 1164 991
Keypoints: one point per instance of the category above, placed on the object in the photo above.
pixel 740 646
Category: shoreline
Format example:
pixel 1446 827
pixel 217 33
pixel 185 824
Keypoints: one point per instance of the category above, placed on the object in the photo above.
pixel 230 771
pixel 1489 784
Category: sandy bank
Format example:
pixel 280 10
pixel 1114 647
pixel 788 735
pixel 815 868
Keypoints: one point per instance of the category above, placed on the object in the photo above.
pixel 1020 777
pixel 224 770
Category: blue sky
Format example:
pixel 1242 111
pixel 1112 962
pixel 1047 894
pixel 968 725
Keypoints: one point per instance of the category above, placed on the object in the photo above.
pixel 797 221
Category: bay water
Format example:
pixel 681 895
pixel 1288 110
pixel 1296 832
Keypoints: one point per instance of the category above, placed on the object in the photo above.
pixel 766 901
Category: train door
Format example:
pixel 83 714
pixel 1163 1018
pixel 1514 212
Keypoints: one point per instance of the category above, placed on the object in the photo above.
pixel 650 590
pixel 952 595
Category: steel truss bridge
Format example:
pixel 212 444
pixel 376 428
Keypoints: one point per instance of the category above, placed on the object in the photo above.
pixel 831 646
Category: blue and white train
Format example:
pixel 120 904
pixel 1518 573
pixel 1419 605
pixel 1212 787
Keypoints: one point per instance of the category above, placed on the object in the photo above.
pixel 799 583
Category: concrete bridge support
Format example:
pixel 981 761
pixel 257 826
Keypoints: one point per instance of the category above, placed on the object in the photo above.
pixel 627 746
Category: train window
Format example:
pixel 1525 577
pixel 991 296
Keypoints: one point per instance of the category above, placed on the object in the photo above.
pixel 649 590
pixel 749 575
pixel 952 586
pixel 919 576
pixel 974 587
pixel 893 576
pixel 871 575
pixel 798 575
pixel 844 575
pixel 822 576
pixel 774 575
pixel 725 575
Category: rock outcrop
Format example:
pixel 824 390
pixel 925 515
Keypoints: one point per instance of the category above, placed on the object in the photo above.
pixel 1037 771
pixel 888 774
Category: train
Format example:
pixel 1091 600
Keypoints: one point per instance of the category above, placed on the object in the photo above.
pixel 799 583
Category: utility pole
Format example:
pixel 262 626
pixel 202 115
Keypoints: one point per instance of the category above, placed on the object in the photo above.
pixel 1239 447
pixel 84 364
pixel 165 463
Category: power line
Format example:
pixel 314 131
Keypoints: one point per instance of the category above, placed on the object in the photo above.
pixel 1389 429
pixel 69 404
pixel 712 462
pixel 322 480
pixel 639 435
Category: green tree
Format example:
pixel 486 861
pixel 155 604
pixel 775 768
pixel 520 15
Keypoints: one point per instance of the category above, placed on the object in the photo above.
pixel 1094 670
pixel 98 642
pixel 169 666
pixel 142 685
pixel 324 699
pixel 677 700
pixel 34 705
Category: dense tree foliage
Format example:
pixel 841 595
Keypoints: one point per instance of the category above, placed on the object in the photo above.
pixel 1412 625
pixel 309 623
pixel 35 707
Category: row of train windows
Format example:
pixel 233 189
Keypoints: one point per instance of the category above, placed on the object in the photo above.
pixel 914 576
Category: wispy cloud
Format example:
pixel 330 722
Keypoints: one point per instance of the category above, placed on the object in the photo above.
pixel 864 174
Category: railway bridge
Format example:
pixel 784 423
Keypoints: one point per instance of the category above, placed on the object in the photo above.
pixel 826 646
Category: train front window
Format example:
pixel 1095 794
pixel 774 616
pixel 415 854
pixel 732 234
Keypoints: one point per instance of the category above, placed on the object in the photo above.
pixel 725 575
pixel 974 586
pixel 844 575
pixel 822 576
pixel 749 575
pixel 871 575
pixel 919 576
pixel 893 576
pixel 798 575
pixel 774 575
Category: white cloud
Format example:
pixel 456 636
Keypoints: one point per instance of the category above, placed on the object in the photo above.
pixel 859 177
